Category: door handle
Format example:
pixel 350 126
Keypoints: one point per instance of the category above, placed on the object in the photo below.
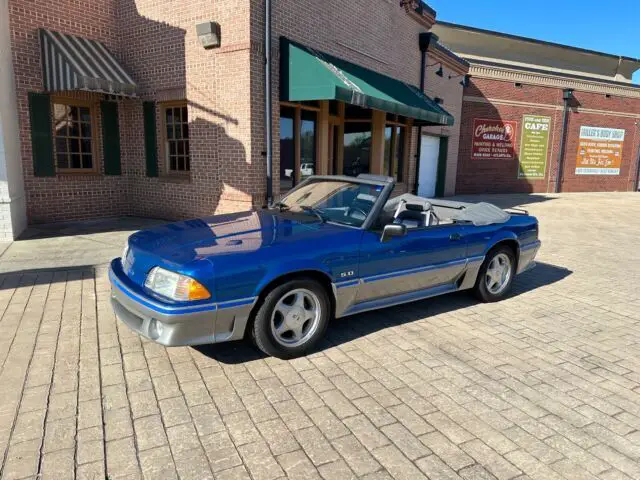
pixel 454 237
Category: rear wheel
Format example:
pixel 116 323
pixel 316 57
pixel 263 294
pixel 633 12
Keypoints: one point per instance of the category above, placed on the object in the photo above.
pixel 496 275
pixel 292 318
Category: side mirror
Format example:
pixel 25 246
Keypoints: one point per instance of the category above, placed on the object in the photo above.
pixel 393 230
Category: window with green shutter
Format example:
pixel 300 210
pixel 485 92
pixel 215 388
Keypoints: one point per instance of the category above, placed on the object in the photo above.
pixel 150 138
pixel 74 136
pixel 110 138
pixel 41 134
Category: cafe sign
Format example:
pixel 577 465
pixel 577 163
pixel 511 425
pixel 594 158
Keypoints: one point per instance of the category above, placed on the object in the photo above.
pixel 534 146
pixel 493 139
pixel 599 151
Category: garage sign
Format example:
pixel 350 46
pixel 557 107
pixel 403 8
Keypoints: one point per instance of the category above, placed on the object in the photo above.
pixel 534 146
pixel 599 151
pixel 493 139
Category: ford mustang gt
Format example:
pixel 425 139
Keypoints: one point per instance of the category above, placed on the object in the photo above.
pixel 334 246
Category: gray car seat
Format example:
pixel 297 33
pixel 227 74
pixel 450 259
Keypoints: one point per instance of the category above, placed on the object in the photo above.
pixel 415 215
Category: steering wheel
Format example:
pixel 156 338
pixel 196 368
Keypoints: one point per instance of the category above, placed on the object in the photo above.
pixel 359 210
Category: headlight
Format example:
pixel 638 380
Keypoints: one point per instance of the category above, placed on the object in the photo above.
pixel 175 286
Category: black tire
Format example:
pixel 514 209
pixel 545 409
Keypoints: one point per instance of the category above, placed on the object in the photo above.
pixel 261 331
pixel 481 289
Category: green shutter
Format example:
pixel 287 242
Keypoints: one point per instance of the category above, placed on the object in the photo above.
pixel 110 138
pixel 150 138
pixel 41 135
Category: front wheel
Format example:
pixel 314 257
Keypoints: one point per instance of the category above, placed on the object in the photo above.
pixel 496 275
pixel 292 318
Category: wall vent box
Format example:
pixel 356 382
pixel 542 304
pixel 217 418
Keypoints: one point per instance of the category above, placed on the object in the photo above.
pixel 208 34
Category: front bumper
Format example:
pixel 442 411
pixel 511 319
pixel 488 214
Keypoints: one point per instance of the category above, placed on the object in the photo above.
pixel 173 325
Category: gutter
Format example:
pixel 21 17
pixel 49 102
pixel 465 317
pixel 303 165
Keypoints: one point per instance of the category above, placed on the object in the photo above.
pixel 267 100
pixel 637 183
pixel 567 95
pixel 424 40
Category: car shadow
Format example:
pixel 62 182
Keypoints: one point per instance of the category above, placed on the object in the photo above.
pixel 347 329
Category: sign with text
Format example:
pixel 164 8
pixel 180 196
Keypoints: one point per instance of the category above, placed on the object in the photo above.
pixel 534 146
pixel 493 139
pixel 599 151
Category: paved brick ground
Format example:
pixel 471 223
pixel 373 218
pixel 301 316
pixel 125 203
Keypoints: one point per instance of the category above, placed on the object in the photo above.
pixel 545 384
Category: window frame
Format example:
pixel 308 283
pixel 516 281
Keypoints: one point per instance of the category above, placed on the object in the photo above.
pixel 297 143
pixel 95 136
pixel 394 123
pixel 164 151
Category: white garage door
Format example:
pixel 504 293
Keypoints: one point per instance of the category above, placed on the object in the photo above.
pixel 428 175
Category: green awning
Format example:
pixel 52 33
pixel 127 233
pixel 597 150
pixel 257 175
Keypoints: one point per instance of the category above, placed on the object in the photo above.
pixel 308 74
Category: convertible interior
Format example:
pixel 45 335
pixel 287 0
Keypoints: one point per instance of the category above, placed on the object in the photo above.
pixel 418 212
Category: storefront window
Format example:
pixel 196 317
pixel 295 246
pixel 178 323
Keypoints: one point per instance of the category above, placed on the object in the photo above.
pixel 357 148
pixel 394 146
pixel 388 140
pixel 287 153
pixel 398 163
pixel 308 127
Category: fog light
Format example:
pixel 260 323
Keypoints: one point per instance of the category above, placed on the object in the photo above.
pixel 155 329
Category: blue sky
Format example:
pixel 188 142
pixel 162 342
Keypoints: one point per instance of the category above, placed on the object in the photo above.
pixel 610 26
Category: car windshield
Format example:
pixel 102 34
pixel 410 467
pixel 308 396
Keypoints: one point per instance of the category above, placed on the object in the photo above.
pixel 338 201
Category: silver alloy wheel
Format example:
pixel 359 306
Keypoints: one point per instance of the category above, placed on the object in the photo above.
pixel 296 317
pixel 498 273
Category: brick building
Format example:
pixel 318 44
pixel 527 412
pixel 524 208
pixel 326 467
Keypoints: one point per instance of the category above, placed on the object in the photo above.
pixel 513 132
pixel 115 107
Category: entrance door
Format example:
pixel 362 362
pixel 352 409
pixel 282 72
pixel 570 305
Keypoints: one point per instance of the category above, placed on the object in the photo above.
pixel 428 175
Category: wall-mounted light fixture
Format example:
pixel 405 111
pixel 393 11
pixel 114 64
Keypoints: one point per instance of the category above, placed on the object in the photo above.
pixel 465 79
pixel 440 71
pixel 208 34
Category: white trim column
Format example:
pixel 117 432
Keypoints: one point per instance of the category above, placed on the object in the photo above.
pixel 13 213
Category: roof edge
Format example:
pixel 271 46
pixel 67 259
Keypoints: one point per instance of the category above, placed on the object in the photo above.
pixel 449 54
pixel 536 41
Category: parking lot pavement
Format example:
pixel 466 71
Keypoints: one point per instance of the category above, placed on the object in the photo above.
pixel 545 384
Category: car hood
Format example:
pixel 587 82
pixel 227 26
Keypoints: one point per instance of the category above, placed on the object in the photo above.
pixel 228 234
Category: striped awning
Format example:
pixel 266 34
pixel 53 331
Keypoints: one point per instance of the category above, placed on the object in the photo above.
pixel 76 63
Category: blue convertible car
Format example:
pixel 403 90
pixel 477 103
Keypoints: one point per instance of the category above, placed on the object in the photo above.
pixel 334 246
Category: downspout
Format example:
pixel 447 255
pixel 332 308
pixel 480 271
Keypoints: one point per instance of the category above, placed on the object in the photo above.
pixel 267 99
pixel 637 183
pixel 424 41
pixel 567 95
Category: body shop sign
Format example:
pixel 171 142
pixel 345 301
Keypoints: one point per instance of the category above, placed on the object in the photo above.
pixel 534 145
pixel 599 151
pixel 493 139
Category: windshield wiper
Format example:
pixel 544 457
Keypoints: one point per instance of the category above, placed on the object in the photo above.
pixel 314 211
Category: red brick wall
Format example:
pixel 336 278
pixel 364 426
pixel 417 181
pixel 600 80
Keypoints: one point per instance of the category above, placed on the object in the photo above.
pixel 65 197
pixel 157 43
pixel 170 64
pixel 378 35
pixel 498 99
